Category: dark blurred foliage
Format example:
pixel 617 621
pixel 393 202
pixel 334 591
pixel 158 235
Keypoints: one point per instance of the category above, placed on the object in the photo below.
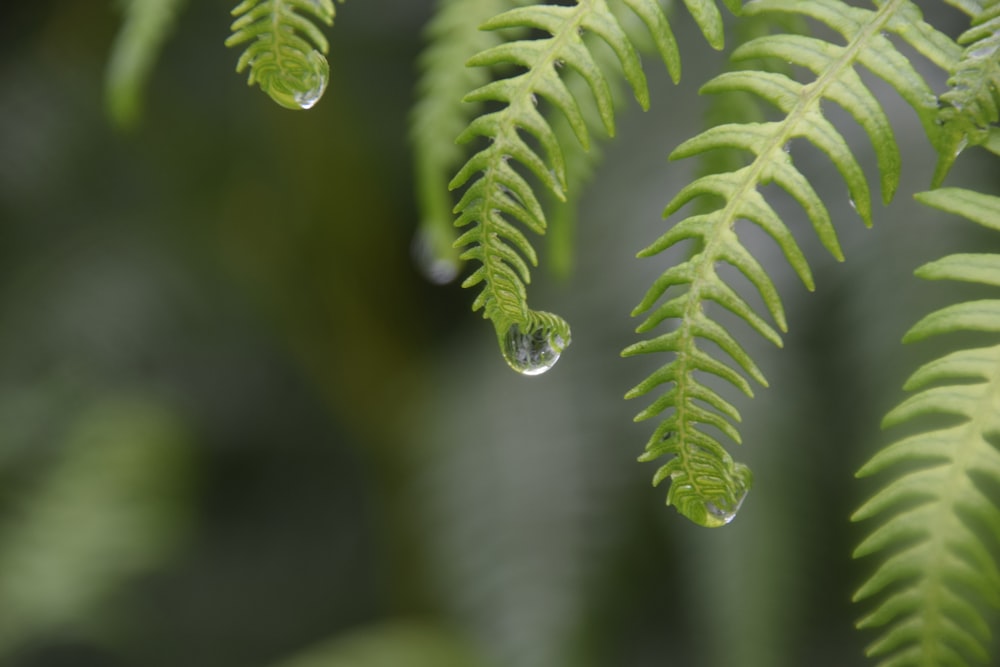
pixel 328 457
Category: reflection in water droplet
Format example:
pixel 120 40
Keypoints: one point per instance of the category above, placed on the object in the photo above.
pixel 532 352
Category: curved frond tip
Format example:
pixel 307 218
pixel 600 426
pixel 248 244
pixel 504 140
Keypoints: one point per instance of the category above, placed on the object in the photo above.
pixel 938 573
pixel 498 196
pixel 286 50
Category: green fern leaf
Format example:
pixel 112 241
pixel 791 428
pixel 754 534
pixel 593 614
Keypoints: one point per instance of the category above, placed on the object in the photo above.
pixel 286 50
pixel 498 194
pixel 972 104
pixel 697 455
pixel 452 38
pixel 147 25
pixel 938 572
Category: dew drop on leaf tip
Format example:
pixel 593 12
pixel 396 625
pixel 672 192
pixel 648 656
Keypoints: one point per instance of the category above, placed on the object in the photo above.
pixel 309 98
pixel 722 510
pixel 312 83
pixel 532 352
pixel 716 515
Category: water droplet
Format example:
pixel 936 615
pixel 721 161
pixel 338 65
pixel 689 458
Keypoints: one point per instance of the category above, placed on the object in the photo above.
pixel 720 511
pixel 534 99
pixel 307 99
pixel 717 511
pixel 851 201
pixel 720 515
pixel 434 265
pixel 534 351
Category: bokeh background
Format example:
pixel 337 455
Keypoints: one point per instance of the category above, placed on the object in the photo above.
pixel 239 428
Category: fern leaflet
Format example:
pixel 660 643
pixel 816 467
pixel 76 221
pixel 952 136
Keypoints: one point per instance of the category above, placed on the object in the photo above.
pixel 938 571
pixel 452 38
pixel 972 104
pixel 286 50
pixel 707 486
pixel 496 193
pixel 147 24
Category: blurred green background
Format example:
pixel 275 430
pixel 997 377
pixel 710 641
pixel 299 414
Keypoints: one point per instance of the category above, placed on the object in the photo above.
pixel 238 428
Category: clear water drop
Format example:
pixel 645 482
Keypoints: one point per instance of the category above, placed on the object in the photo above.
pixel 534 351
pixel 720 511
pixel 437 267
pixel 308 99
pixel 720 515
pixel 717 511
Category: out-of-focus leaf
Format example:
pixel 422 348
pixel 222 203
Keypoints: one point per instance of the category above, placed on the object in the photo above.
pixel 391 644
pixel 111 506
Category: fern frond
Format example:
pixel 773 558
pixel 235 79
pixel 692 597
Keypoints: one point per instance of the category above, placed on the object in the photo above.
pixel 972 104
pixel 452 38
pixel 581 163
pixel 286 50
pixel 496 193
pixel 147 25
pixel 698 455
pixel 938 572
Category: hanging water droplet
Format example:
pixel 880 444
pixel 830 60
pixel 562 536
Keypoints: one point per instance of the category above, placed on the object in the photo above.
pixel 307 99
pixel 720 511
pixel 534 351
pixel 303 86
pixel 851 201
pixel 720 515
pixel 711 511
pixel 436 266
